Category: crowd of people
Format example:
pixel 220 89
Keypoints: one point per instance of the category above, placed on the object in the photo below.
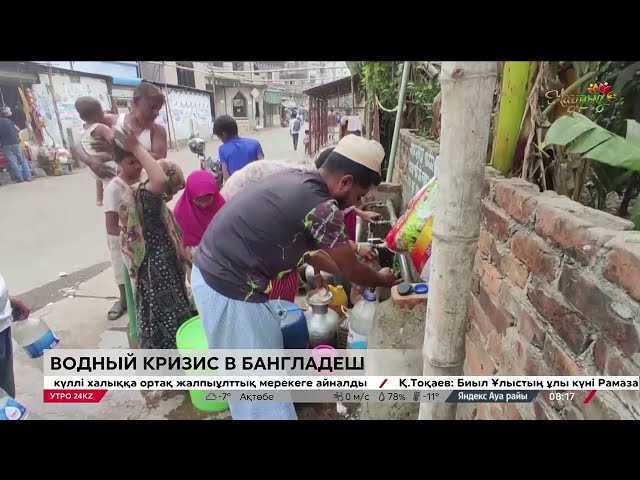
pixel 224 253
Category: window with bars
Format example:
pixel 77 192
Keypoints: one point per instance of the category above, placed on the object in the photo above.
pixel 186 78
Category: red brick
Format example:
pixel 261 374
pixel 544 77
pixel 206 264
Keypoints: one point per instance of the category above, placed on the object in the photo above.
pixel 543 412
pixel 558 361
pixel 495 347
pixel 491 277
pixel 478 361
pixel 515 269
pixel 508 264
pixel 623 267
pixel 493 312
pixel 531 327
pixel 484 242
pixel 511 412
pixel 571 232
pixel 479 317
pixel 571 327
pixel 475 336
pixel 535 254
pixel 512 299
pixel 496 221
pixel 586 294
pixel 518 198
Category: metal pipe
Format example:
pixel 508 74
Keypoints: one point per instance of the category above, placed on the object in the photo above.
pixel 396 128
pixel 55 106
pixel 405 271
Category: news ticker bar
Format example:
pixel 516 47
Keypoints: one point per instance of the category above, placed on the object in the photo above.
pixel 326 396
pixel 321 381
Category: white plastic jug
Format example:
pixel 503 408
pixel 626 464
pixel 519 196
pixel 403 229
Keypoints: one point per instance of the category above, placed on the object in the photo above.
pixel 34 336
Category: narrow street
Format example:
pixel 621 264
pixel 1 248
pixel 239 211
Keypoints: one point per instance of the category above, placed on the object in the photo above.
pixel 56 228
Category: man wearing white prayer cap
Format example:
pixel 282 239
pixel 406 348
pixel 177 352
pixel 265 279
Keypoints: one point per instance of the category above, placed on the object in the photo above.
pixel 270 229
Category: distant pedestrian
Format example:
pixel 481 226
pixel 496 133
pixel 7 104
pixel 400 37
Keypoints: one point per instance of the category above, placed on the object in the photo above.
pixel 307 142
pixel 12 148
pixel 235 152
pixel 294 129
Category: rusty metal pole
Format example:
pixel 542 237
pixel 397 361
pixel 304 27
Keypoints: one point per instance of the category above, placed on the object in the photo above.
pixel 55 106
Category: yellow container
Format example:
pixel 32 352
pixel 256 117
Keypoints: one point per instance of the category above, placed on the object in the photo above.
pixel 339 296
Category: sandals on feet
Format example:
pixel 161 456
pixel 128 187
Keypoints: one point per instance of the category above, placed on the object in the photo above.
pixel 117 310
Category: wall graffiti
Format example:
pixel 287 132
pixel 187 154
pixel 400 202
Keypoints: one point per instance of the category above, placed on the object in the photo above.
pixel 421 167
pixel 67 90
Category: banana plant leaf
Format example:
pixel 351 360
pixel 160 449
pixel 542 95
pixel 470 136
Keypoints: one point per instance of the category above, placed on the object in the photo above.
pixel 582 136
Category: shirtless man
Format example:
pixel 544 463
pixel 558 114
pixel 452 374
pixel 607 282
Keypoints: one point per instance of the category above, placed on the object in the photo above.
pixel 147 102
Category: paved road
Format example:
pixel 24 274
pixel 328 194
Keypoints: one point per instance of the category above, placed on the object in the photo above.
pixel 52 225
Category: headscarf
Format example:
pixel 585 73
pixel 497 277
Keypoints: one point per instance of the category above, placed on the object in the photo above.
pixel 192 219
pixel 131 217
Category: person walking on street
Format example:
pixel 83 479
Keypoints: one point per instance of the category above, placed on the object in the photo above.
pixel 12 149
pixel 11 309
pixel 294 129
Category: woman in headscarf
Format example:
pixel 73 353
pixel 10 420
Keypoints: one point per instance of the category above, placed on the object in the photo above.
pixel 196 207
pixel 154 251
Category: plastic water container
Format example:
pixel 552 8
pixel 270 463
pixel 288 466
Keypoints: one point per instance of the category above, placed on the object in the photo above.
pixel 361 320
pixel 293 324
pixel 191 336
pixel 10 409
pixel 34 336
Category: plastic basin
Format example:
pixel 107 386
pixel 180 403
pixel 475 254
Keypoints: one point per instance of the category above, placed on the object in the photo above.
pixel 191 336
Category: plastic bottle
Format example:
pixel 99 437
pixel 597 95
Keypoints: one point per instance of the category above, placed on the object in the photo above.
pixel 10 409
pixel 34 336
pixel 361 320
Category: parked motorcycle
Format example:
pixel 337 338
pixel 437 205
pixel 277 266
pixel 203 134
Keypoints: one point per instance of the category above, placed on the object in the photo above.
pixel 207 163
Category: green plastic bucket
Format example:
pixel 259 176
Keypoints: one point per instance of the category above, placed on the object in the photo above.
pixel 191 336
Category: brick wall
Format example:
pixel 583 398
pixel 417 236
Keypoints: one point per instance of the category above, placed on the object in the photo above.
pixel 414 163
pixel 556 291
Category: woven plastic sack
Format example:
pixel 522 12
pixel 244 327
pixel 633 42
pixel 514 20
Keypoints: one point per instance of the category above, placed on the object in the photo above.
pixel 421 251
pixel 404 234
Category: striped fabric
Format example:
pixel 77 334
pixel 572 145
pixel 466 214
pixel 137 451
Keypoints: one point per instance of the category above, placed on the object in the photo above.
pixel 285 289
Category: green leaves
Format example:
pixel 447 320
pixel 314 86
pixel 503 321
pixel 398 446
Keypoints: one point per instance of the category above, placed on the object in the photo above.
pixel 582 136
